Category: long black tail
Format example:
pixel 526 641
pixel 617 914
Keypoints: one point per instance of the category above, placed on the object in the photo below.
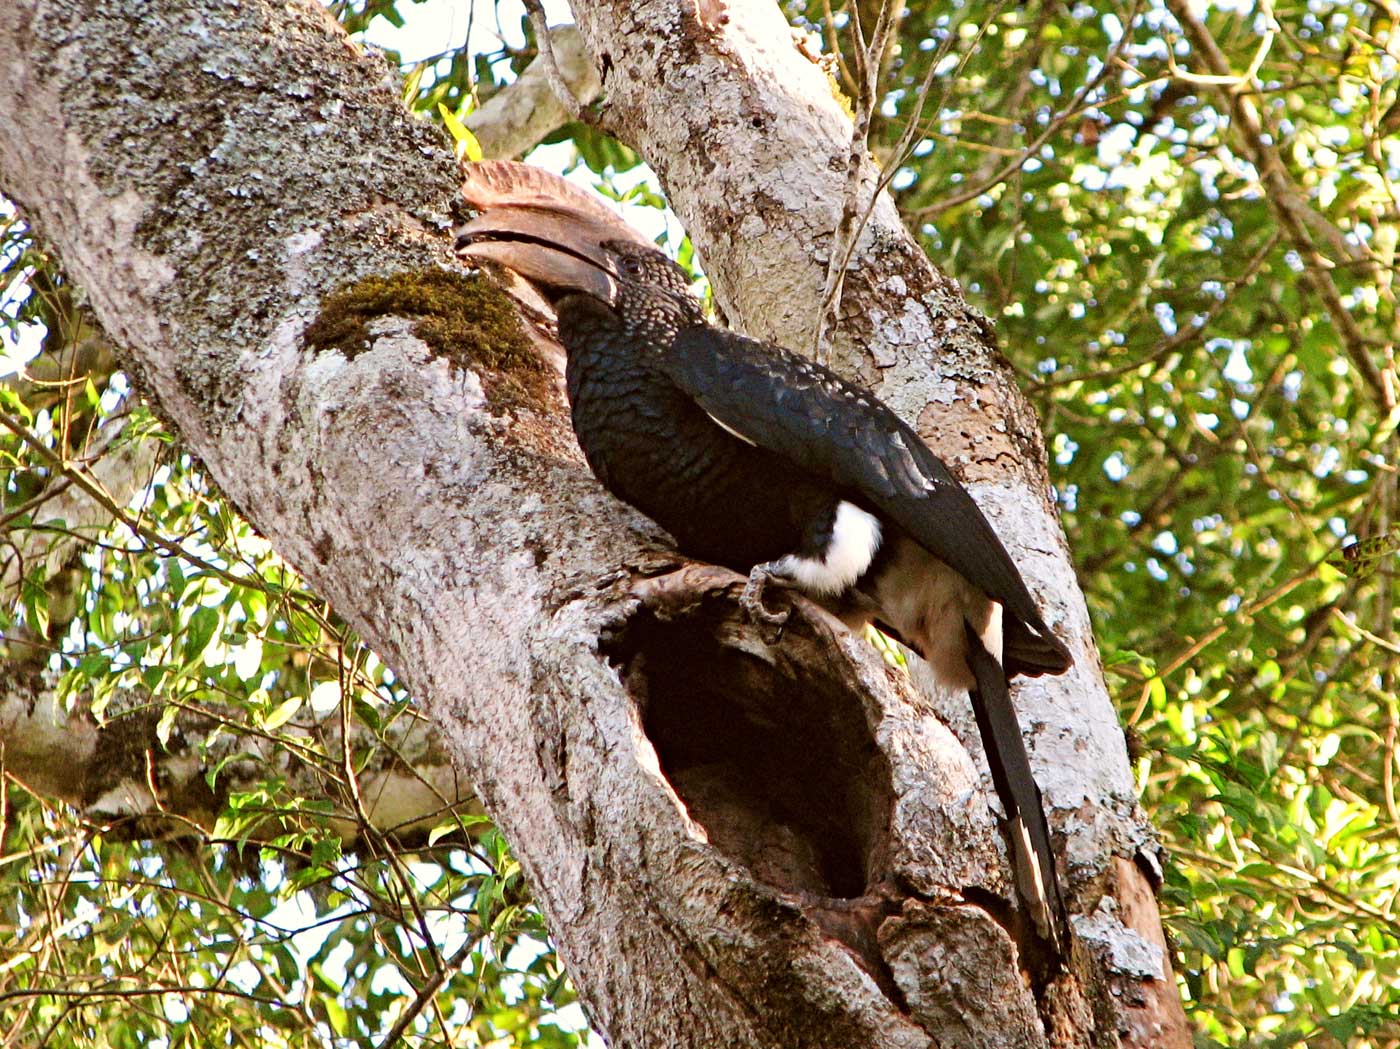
pixel 1034 863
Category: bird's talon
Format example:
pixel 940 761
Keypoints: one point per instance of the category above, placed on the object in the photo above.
pixel 751 600
pixel 762 617
pixel 760 614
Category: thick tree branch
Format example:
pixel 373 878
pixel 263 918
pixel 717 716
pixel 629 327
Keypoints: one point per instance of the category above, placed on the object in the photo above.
pixel 748 140
pixel 117 773
pixel 554 77
pixel 522 114
pixel 735 843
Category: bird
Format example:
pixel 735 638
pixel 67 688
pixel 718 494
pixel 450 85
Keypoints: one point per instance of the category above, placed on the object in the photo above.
pixel 759 459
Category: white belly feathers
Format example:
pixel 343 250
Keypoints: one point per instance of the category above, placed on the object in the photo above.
pixel 854 539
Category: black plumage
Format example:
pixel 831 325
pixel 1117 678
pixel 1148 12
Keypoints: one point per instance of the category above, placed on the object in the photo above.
pixel 653 445
pixel 761 460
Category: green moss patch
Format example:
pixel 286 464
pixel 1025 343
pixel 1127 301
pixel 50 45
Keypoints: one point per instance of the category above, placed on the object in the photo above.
pixel 466 319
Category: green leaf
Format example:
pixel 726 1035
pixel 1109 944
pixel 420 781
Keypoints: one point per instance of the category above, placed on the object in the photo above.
pixel 166 723
pixel 441 830
pixel 203 623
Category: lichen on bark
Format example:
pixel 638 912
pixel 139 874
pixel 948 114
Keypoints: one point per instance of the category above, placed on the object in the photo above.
pixel 465 319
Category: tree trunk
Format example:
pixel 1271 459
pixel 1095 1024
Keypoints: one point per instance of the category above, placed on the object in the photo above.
pixel 735 842
pixel 107 767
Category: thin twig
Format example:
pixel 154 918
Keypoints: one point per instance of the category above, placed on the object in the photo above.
pixel 105 500
pixel 868 68
pixel 1230 80
pixel 352 781
pixel 1075 106
pixel 1339 900
pixel 141 992
pixel 59 486
pixel 1385 631
pixel 115 429
pixel 1362 632
pixel 833 46
pixel 917 127
pixel 1292 210
pixel 428 992
pixel 903 148
pixel 1184 335
pixel 1217 632
pixel 557 83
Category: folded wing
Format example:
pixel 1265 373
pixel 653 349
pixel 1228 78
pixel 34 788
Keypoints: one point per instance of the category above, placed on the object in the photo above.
pixel 811 416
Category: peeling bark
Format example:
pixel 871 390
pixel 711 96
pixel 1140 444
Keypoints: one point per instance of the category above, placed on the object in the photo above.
pixel 801 856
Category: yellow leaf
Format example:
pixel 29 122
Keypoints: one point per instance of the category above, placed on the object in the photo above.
pixel 467 145
pixel 410 87
pixel 282 714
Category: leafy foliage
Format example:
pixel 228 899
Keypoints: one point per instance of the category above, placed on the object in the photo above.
pixel 1184 226
pixel 1205 371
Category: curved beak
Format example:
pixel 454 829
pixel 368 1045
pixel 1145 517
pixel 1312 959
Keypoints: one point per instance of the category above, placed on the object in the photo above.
pixel 559 253
pixel 543 228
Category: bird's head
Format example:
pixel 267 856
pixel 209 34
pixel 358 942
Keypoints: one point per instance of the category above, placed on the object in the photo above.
pixel 561 239
pixel 644 266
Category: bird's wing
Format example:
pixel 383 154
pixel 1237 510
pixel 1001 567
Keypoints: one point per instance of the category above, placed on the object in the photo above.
pixel 811 416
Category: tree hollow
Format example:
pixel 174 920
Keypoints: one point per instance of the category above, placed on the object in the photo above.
pixel 767 744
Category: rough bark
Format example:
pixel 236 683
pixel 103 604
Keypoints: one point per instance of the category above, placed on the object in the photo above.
pixel 736 842
pixel 117 771
pixel 748 140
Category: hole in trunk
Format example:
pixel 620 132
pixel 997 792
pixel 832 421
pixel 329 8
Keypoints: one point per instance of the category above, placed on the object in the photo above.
pixel 767 745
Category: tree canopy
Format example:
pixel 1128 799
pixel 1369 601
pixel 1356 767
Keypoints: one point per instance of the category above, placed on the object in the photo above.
pixel 1183 224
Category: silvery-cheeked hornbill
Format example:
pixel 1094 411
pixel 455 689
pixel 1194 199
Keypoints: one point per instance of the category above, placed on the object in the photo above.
pixel 763 461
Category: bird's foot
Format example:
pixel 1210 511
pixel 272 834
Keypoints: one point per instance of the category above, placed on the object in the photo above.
pixel 751 600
